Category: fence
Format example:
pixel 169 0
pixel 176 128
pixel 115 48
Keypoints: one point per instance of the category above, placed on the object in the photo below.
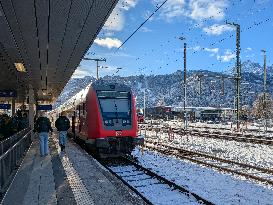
pixel 11 158
pixel 7 143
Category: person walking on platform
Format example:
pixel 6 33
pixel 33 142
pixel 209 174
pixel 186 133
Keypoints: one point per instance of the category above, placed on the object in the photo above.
pixel 43 126
pixel 62 124
pixel 23 122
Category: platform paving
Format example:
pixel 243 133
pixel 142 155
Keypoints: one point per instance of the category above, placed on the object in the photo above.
pixel 70 177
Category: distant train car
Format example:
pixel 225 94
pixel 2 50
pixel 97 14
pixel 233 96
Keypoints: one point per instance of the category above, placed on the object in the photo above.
pixel 106 120
pixel 140 117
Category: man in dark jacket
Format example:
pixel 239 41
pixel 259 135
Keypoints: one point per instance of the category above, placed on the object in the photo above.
pixel 43 126
pixel 62 124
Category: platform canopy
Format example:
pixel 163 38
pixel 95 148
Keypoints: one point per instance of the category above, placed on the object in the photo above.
pixel 47 39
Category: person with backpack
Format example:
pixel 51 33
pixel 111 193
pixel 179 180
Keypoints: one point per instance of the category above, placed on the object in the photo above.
pixel 62 124
pixel 43 126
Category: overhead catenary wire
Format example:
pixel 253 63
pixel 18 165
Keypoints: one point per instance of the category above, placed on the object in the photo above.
pixel 141 25
pixel 250 11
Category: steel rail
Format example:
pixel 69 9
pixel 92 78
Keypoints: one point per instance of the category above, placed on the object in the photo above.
pixel 195 157
pixel 127 184
pixel 168 182
pixel 152 174
pixel 236 137
pixel 228 129
pixel 218 135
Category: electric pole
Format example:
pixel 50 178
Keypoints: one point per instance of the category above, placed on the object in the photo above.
pixel 97 60
pixel 144 102
pixel 238 72
pixel 264 97
pixel 199 83
pixel 223 85
pixel 185 83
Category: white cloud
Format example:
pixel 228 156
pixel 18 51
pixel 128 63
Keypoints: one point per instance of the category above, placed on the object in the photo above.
pixel 109 34
pixel 145 29
pixel 108 42
pixel 249 49
pixel 228 56
pixel 89 69
pixel 171 9
pixel 116 20
pixel 212 51
pixel 81 72
pixel 207 9
pixel 128 4
pixel 250 56
pixel 196 48
pixel 197 10
pixel 217 29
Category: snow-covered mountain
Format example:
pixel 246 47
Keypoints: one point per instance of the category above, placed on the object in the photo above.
pixel 73 86
pixel 168 89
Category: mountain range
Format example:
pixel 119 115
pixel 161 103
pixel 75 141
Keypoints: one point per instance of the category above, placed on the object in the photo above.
pixel 204 88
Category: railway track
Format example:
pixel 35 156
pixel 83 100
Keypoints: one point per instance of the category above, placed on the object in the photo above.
pixel 260 174
pixel 239 137
pixel 216 134
pixel 228 129
pixel 151 187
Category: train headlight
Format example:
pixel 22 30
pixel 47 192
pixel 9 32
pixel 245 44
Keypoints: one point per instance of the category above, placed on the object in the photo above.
pixel 108 122
pixel 126 122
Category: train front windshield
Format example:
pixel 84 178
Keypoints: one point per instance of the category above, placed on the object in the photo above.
pixel 115 104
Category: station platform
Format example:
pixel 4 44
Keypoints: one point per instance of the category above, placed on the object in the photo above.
pixel 73 177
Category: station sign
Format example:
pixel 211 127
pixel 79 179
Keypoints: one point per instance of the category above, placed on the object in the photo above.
pixel 44 107
pixel 8 93
pixel 5 106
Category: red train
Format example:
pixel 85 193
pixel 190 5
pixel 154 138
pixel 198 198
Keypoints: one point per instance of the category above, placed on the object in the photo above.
pixel 106 120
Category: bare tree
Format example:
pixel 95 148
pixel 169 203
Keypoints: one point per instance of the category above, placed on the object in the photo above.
pixel 245 112
pixel 262 107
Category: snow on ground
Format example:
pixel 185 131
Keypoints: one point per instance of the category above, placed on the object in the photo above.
pixel 155 191
pixel 228 128
pixel 221 127
pixel 219 188
pixel 250 153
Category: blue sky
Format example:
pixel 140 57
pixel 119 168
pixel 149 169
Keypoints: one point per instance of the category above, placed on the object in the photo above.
pixel 156 49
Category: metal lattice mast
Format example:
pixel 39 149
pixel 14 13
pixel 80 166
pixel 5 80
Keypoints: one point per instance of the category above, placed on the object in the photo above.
pixel 264 94
pixel 185 85
pixel 238 72
pixel 97 60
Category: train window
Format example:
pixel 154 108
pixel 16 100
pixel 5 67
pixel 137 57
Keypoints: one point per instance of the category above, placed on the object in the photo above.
pixel 115 104
pixel 112 94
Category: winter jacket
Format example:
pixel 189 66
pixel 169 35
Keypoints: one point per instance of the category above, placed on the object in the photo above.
pixel 42 125
pixel 62 123
pixel 23 123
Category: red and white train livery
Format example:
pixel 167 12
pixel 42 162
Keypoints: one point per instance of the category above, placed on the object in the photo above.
pixel 106 119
